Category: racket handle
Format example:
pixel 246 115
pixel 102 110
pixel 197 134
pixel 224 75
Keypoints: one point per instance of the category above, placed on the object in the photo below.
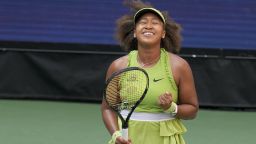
pixel 125 133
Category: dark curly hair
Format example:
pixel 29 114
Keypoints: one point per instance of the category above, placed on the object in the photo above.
pixel 126 25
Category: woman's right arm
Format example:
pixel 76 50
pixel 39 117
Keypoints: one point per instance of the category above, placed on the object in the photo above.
pixel 108 115
pixel 109 118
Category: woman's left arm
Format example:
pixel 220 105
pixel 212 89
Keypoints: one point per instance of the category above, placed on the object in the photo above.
pixel 187 97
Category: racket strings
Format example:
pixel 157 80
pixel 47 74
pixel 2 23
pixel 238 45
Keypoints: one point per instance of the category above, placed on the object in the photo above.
pixel 112 93
pixel 132 86
pixel 125 89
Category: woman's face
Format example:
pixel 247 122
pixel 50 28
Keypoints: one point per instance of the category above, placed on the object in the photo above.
pixel 149 29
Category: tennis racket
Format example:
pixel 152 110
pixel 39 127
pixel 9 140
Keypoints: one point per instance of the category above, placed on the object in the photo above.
pixel 124 91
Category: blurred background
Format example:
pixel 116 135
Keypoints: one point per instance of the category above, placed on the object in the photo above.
pixel 56 52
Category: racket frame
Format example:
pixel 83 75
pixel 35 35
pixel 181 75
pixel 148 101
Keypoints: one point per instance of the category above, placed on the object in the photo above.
pixel 125 121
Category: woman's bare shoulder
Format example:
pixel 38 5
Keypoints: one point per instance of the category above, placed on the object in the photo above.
pixel 177 61
pixel 117 65
pixel 120 63
pixel 179 67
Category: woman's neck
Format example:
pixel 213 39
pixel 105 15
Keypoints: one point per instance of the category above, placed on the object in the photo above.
pixel 148 57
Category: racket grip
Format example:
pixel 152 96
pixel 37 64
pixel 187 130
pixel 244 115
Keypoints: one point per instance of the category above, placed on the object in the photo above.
pixel 125 133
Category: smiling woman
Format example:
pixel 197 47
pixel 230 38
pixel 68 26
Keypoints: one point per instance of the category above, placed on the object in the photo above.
pixel 126 26
pixel 149 30
pixel 152 40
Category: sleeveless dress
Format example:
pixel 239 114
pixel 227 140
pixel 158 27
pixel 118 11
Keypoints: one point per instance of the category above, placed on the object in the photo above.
pixel 160 81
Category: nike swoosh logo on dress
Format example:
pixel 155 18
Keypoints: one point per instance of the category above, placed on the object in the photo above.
pixel 156 80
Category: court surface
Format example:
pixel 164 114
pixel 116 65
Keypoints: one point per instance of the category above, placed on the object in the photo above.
pixel 48 122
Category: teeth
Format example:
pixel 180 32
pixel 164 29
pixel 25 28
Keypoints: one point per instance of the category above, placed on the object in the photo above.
pixel 148 33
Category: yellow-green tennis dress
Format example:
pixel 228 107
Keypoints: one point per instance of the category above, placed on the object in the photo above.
pixel 160 81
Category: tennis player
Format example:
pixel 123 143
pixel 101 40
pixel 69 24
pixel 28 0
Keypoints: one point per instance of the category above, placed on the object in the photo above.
pixel 153 39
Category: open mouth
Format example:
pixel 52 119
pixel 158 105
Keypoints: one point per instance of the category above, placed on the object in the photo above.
pixel 148 33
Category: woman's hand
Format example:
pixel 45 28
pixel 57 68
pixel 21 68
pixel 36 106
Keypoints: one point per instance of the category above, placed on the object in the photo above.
pixel 165 100
pixel 121 140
